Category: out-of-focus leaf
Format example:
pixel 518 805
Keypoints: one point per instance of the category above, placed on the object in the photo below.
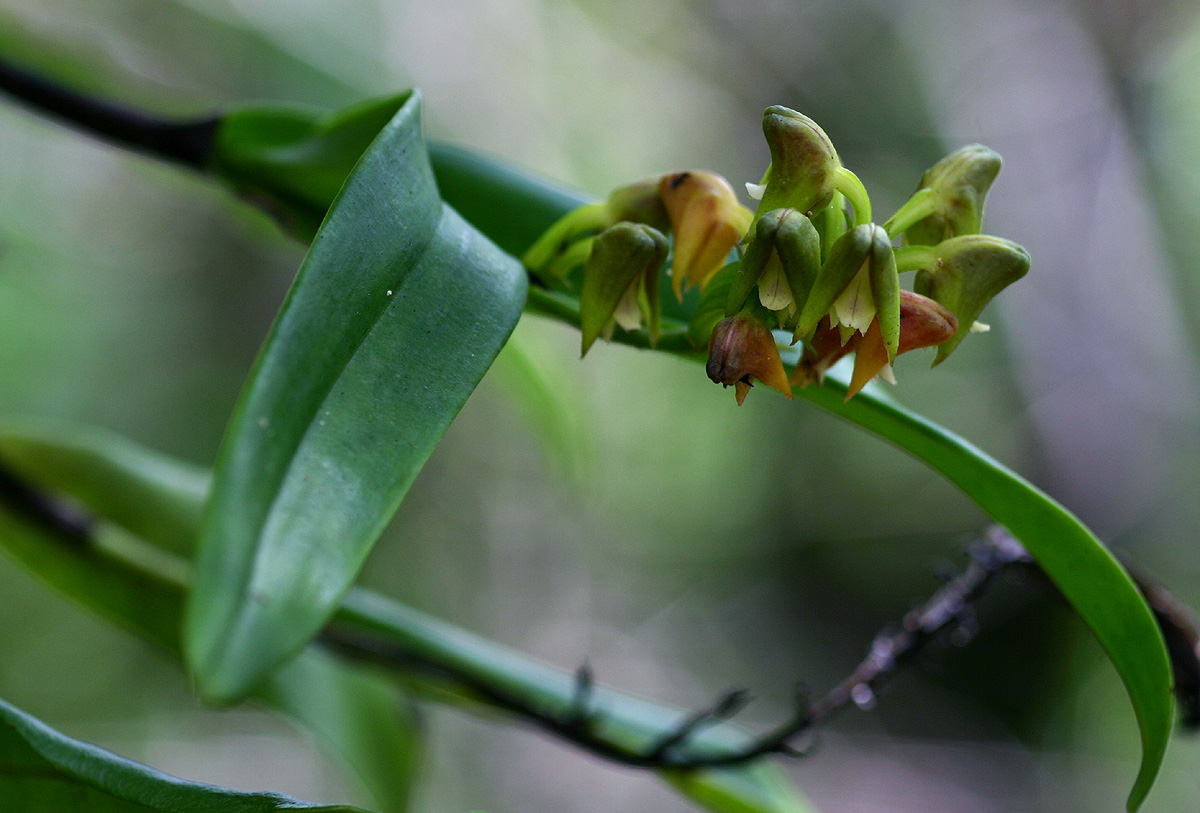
pixel 361 720
pixel 397 312
pixel 760 787
pixel 151 495
pixel 552 412
pixel 43 770
pixel 142 589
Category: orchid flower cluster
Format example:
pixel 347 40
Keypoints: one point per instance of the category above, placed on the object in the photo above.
pixel 810 264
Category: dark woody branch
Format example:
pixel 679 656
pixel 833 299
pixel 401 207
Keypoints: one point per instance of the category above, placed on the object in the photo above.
pixel 184 142
pixel 947 611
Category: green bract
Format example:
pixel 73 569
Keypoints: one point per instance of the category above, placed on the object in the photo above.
pixel 620 281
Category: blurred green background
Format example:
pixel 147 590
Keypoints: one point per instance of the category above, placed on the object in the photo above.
pixel 641 520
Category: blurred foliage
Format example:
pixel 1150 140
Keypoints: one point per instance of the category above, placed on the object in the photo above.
pixel 134 297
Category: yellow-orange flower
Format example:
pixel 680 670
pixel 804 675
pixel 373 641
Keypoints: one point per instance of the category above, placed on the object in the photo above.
pixel 707 221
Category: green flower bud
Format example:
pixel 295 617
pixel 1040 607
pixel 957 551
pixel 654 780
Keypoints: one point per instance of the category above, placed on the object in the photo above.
pixel 620 282
pixel 949 200
pixel 964 273
pixel 782 259
pixel 804 164
pixel 857 284
pixel 559 249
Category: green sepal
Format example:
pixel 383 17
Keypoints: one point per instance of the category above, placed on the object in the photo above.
pixel 711 307
pixel 885 290
pixel 624 255
pixel 968 272
pixel 846 257
pixel 959 182
pixel 791 236
pixel 804 163
pixel 638 202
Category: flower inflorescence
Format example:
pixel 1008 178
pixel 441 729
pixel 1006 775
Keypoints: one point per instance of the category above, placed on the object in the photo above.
pixel 810 262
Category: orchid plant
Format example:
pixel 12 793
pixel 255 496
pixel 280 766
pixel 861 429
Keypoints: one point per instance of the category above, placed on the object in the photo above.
pixel 421 260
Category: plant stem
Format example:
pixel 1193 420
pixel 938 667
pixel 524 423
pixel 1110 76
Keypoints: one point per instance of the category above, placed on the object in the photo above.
pixel 184 142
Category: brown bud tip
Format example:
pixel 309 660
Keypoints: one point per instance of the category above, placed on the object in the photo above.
pixel 923 322
pixel 742 350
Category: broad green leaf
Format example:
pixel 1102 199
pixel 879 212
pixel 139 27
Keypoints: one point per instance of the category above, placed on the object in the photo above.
pixel 1086 573
pixel 361 720
pixel 397 312
pixel 43 770
pixel 138 587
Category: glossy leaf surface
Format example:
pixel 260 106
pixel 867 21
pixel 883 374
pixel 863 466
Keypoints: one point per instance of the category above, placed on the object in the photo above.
pixel 397 312
pixel 292 160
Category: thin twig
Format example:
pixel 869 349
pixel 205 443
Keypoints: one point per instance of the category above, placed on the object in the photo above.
pixel 945 610
pixel 582 724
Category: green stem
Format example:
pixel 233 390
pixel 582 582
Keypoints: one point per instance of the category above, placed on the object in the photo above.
pixel 562 238
pixel 915 258
pixel 921 205
pixel 849 185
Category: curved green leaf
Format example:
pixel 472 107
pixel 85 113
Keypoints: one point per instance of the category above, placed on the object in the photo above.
pixel 1086 573
pixel 43 770
pixel 293 160
pixel 138 588
pixel 397 312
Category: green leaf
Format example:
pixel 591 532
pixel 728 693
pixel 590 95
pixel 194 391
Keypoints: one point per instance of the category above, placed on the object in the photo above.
pixel 43 770
pixel 397 312
pixel 149 494
pixel 1079 565
pixel 137 587
pixel 1091 580
pixel 293 160
pixel 361 720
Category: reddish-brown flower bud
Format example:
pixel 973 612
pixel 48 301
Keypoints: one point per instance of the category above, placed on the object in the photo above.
pixel 741 350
